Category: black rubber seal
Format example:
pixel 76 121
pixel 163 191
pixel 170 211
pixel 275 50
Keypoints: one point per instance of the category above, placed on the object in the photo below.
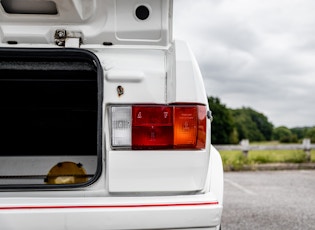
pixel 73 53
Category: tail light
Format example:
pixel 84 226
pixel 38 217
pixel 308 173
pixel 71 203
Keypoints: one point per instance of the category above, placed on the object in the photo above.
pixel 158 126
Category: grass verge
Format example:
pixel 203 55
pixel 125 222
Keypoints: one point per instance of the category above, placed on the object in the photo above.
pixel 235 160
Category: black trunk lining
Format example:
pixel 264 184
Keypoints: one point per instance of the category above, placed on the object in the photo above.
pixel 48 104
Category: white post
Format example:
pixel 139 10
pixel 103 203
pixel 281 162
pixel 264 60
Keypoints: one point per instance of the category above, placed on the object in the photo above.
pixel 307 148
pixel 245 146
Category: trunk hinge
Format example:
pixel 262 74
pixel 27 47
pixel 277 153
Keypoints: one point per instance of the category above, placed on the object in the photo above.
pixel 68 38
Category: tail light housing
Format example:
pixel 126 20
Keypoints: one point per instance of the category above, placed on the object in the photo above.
pixel 158 126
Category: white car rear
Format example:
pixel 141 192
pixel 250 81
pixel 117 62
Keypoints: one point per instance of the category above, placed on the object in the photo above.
pixel 104 119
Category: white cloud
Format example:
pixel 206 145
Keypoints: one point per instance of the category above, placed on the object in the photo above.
pixel 254 53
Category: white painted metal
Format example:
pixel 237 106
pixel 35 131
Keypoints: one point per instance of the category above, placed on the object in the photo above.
pixel 185 80
pixel 157 171
pixel 72 43
pixel 99 21
pixel 146 82
pixel 216 184
pixel 164 212
pixel 151 68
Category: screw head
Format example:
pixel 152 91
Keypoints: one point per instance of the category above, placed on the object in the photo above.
pixel 61 34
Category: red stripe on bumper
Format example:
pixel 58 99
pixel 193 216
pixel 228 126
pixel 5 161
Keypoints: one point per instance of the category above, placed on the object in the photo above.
pixel 107 206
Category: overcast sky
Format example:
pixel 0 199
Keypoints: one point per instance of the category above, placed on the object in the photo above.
pixel 254 53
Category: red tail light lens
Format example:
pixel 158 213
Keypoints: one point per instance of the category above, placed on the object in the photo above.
pixel 160 126
pixel 152 127
pixel 202 127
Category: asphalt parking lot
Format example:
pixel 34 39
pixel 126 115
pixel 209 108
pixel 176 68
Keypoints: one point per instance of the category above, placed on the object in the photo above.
pixel 269 200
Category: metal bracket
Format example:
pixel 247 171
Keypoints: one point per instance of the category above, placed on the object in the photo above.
pixel 209 115
pixel 68 38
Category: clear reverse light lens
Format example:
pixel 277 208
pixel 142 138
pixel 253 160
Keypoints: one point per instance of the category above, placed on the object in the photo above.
pixel 121 126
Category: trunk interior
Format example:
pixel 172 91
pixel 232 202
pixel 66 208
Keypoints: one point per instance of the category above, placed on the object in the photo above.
pixel 48 105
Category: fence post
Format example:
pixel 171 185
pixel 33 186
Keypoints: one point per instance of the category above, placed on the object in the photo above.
pixel 245 147
pixel 307 148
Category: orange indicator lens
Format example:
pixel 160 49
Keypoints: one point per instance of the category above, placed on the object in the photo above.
pixel 185 126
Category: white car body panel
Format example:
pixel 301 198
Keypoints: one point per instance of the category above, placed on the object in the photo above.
pixel 98 20
pixel 136 189
pixel 144 79
pixel 199 211
pixel 158 171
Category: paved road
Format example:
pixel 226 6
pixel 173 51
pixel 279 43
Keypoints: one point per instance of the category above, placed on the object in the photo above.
pixel 269 200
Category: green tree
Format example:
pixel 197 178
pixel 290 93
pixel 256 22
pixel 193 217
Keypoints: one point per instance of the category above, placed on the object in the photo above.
pixel 311 134
pixel 262 123
pixel 252 125
pixel 223 131
pixel 300 132
pixel 284 135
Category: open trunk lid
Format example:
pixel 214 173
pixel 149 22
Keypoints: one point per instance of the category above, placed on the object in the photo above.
pixel 123 22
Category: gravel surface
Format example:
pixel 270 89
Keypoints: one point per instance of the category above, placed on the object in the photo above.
pixel 269 200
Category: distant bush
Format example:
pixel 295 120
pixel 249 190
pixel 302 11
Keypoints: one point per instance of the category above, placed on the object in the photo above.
pixel 284 135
